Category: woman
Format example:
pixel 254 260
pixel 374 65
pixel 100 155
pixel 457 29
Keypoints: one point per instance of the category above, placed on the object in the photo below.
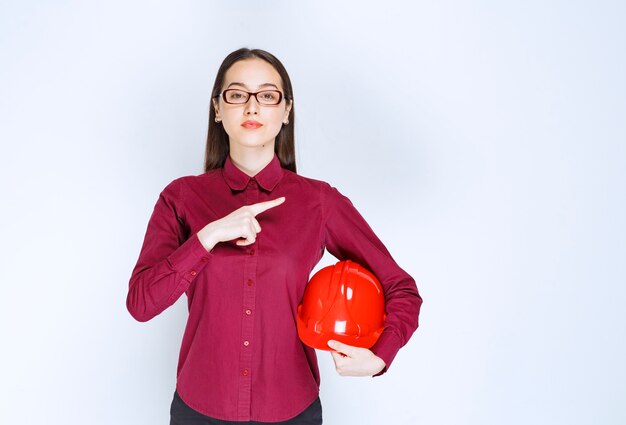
pixel 241 240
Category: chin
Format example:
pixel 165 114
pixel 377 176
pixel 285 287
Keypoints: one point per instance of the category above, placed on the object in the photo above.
pixel 254 141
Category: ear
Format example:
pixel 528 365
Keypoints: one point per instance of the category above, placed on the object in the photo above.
pixel 215 106
pixel 288 108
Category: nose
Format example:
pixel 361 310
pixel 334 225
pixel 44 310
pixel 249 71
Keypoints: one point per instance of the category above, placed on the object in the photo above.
pixel 251 106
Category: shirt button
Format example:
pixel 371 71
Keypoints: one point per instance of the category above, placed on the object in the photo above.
pixel 248 312
pixel 244 372
pixel 204 259
pixel 193 272
pixel 252 251
pixel 250 282
pixel 246 343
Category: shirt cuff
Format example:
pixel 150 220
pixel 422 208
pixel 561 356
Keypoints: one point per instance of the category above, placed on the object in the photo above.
pixel 386 348
pixel 189 258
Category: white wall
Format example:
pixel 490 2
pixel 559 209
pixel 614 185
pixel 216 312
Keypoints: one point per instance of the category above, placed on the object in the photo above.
pixel 484 141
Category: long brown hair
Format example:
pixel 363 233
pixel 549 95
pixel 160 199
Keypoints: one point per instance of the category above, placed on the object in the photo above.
pixel 217 147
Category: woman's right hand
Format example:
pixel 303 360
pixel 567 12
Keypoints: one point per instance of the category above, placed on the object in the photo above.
pixel 240 224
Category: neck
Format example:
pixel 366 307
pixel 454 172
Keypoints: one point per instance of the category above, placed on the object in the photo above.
pixel 252 160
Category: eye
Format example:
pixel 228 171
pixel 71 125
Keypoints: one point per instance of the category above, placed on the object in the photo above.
pixel 271 96
pixel 236 95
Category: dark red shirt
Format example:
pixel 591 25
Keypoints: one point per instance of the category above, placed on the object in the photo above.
pixel 241 358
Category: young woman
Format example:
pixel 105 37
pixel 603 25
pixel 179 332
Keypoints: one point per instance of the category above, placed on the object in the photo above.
pixel 240 240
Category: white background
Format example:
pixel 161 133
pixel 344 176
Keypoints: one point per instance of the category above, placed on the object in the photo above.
pixel 484 141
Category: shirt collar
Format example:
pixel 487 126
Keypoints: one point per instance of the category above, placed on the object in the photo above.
pixel 267 178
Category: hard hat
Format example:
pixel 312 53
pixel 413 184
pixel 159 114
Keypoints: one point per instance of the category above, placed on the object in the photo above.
pixel 344 302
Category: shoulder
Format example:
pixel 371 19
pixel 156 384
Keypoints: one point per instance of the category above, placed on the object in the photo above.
pixel 292 178
pixel 182 183
pixel 328 194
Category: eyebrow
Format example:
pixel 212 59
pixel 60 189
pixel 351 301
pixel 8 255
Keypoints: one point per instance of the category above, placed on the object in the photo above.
pixel 262 85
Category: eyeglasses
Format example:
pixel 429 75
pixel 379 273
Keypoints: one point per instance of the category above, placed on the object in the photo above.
pixel 239 97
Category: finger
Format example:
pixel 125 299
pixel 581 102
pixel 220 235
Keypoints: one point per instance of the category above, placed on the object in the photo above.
pixel 245 241
pixel 248 235
pixel 264 206
pixel 253 230
pixel 337 357
pixel 255 223
pixel 340 363
pixel 346 349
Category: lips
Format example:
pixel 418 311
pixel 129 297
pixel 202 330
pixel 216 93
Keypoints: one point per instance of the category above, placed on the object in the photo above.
pixel 251 124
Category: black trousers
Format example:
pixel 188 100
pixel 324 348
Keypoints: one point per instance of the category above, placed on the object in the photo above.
pixel 181 414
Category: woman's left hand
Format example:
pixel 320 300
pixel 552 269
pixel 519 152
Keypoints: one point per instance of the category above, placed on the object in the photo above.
pixel 355 361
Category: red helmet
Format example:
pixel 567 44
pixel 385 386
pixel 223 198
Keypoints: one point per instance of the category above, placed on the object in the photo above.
pixel 344 302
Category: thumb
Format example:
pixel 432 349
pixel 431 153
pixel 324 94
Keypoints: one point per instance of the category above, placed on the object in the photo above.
pixel 341 347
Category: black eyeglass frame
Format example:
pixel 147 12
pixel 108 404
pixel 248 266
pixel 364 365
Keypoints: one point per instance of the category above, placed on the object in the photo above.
pixel 280 98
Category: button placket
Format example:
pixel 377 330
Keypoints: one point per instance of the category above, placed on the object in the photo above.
pixel 248 316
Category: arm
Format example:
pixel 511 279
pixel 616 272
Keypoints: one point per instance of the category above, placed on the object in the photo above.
pixel 168 262
pixel 348 236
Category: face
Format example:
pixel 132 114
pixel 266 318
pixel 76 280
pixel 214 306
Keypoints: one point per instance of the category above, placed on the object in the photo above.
pixel 252 75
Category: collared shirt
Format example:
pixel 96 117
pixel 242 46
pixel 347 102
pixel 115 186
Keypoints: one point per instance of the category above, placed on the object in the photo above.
pixel 241 358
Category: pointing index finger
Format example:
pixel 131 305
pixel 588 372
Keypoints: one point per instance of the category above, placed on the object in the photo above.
pixel 258 208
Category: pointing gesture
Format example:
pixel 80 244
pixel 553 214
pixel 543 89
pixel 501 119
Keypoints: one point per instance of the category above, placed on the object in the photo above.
pixel 258 208
pixel 241 224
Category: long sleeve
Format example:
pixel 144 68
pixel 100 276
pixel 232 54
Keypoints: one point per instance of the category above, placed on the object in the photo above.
pixel 349 237
pixel 169 259
pixel 242 300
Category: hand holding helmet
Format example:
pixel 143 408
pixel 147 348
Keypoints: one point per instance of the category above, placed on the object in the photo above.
pixel 355 361
pixel 343 308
